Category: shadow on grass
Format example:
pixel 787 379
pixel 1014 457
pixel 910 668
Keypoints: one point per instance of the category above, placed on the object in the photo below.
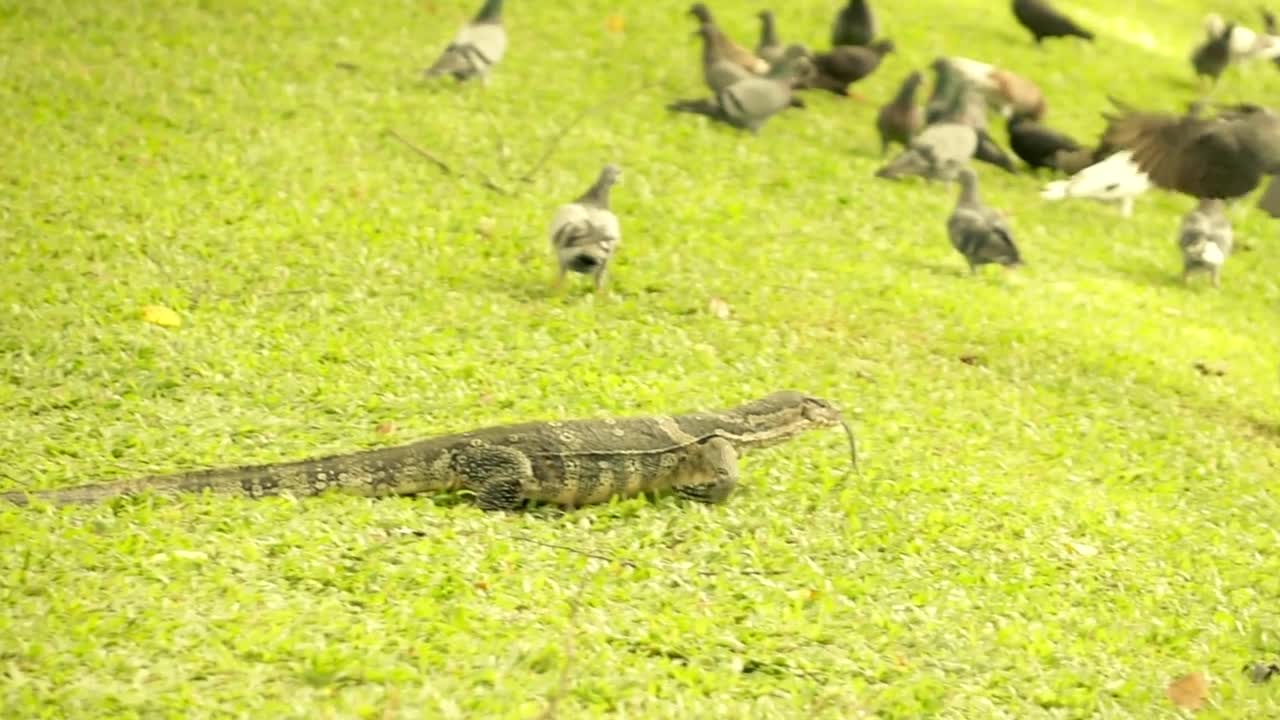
pixel 1163 276
pixel 1268 428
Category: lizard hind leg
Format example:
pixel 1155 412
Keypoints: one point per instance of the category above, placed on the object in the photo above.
pixel 715 474
pixel 497 476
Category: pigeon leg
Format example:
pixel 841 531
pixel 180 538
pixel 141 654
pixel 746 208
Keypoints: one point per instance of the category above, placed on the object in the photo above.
pixel 1126 207
pixel 599 278
pixel 557 285
pixel 1217 277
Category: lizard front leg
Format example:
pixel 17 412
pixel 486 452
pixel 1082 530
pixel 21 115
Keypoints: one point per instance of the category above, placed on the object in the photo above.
pixel 496 475
pixel 715 474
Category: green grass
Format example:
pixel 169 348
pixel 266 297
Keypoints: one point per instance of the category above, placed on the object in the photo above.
pixel 209 157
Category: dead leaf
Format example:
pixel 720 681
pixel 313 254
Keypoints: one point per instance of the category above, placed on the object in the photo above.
pixel 1081 549
pixel 971 359
pixel 160 315
pixel 614 23
pixel 485 226
pixel 1189 691
pixel 385 428
pixel 719 308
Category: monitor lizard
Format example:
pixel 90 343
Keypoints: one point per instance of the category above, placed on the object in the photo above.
pixel 569 463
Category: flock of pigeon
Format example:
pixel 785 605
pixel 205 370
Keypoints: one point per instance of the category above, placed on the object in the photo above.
pixel 1216 159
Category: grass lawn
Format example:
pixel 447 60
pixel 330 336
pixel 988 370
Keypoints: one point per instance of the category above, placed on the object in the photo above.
pixel 1057 514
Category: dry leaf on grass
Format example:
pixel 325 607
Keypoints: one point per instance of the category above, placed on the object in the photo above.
pixel 1189 691
pixel 719 308
pixel 385 428
pixel 1081 549
pixel 160 315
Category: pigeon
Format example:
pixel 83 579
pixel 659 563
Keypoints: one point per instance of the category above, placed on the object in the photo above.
pixel 955 99
pixel 934 154
pixel 1205 240
pixel 732 50
pixel 1115 178
pixel 1037 145
pixel 1269 201
pixel 585 233
pixel 835 70
pixel 1005 91
pixel 751 101
pixel 1211 57
pixel 1271 28
pixel 900 119
pixel 854 25
pixel 770 47
pixel 1244 44
pixel 1220 157
pixel 978 232
pixel 1044 21
pixel 718 70
pixel 477 47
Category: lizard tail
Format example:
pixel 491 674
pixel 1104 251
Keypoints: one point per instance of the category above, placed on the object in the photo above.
pixel 404 470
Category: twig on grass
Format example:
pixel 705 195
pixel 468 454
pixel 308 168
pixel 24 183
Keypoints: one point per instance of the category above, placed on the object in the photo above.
pixel 423 152
pixel 584 553
pixel 556 139
pixel 485 180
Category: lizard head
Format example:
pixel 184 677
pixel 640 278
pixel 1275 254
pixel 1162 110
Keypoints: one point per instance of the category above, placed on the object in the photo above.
pixel 786 413
pixel 798 408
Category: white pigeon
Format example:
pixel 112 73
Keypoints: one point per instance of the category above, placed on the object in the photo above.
pixel 1205 239
pixel 477 47
pixel 1117 178
pixel 585 233
pixel 1245 44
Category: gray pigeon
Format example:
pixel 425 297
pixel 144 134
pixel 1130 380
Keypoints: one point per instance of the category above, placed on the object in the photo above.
pixel 955 99
pixel 1205 239
pixel 770 47
pixel 854 25
pixel 718 70
pixel 934 154
pixel 980 234
pixel 585 233
pixel 751 101
pixel 477 47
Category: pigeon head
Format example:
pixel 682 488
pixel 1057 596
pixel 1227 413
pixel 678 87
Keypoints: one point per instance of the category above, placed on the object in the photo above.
pixel 610 174
pixel 701 12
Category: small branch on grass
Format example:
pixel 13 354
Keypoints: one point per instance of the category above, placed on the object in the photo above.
pixel 485 180
pixel 584 553
pixel 423 152
pixel 556 139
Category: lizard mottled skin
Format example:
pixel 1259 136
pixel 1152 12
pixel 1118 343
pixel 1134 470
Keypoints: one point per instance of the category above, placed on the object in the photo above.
pixel 570 463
